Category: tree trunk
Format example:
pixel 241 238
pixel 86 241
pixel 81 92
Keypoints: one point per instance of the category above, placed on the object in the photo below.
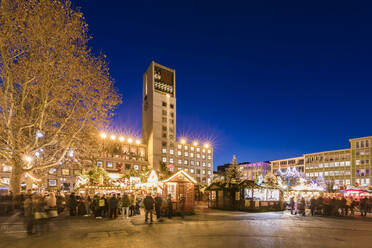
pixel 15 179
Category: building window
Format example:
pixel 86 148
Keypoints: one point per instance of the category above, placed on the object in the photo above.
pixel 7 168
pixel 65 172
pixel 99 163
pixel 198 149
pixel 127 166
pixel 192 162
pixel 198 155
pixel 209 164
pixel 179 146
pixel 179 161
pixel 164 135
pixel 164 104
pixel 209 151
pixel 164 143
pixel 192 170
pixel 203 164
pixel 171 151
pixel 186 147
pixel 357 162
pixel 171 106
pixel 179 153
pixel 197 171
pixel 192 148
pixel 171 160
pixel 197 163
pixel 192 154
pixel 347 163
pixel 209 172
pixel 172 121
pixel 164 128
pixel 172 114
pixel 136 167
pixel 186 154
pixel 164 112
pixel 164 150
pixel 185 162
pixel 203 156
pixel 109 164
pixel 164 119
pixel 209 157
pixel 203 172
pixel 164 159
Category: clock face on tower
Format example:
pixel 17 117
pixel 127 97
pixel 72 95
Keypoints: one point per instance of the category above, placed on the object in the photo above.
pixel 163 80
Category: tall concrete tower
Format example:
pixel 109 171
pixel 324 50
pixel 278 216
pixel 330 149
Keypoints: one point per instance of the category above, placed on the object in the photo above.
pixel 159 113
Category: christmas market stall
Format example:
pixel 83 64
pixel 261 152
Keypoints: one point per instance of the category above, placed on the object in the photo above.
pixel 304 189
pixel 181 188
pixel 259 196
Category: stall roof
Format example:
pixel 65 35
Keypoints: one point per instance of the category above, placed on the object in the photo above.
pixel 181 172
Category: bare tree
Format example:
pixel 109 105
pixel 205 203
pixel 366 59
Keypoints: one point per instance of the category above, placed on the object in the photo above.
pixel 54 93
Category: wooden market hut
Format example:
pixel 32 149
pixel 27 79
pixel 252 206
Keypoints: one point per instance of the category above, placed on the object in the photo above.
pixel 180 185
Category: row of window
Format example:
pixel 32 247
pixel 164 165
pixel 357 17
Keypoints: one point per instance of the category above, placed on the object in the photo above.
pixel 362 152
pixel 328 173
pixel 362 143
pixel 326 165
pixel 187 154
pixel 118 165
pixel 192 148
pixel 195 171
pixel 362 162
pixel 186 162
pixel 164 104
pixel 327 158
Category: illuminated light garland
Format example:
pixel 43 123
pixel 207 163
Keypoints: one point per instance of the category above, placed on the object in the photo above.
pixel 32 177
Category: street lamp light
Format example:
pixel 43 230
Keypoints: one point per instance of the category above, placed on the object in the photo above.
pixel 130 140
pixel 195 143
pixel 183 141
pixel 28 159
pixel 112 137
pixel 121 139
pixel 206 145
pixel 138 141
pixel 103 135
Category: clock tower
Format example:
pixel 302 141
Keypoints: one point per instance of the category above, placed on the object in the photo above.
pixel 159 114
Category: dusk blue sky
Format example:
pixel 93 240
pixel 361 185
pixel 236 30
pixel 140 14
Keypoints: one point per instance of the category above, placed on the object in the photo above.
pixel 262 79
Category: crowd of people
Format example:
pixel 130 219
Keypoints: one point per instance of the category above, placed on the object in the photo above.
pixel 39 209
pixel 330 206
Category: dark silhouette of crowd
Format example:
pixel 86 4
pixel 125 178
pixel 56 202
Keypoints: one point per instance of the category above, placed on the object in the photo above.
pixel 330 205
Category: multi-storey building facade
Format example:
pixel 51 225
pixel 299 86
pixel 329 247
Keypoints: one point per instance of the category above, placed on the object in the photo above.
pixel 250 171
pixel 344 167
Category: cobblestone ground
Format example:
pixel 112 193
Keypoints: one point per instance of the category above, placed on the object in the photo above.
pixel 208 229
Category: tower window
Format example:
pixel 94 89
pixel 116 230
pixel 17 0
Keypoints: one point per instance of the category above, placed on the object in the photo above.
pixel 164 104
pixel 171 106
pixel 164 143
pixel 164 112
pixel 164 119
pixel 164 128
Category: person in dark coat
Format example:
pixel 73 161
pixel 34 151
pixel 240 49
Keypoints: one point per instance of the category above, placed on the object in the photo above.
pixel 170 206
pixel 28 213
pixel 72 204
pixel 149 205
pixel 363 207
pixel 313 205
pixel 113 206
pixel 158 202
pixel 292 204
pixel 182 206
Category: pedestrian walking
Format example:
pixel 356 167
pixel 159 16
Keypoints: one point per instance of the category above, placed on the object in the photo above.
pixel 158 202
pixel 182 206
pixel 133 202
pixel 363 207
pixel 113 206
pixel 170 206
pixel 125 202
pixel 149 205
pixel 28 213
pixel 313 205
pixel 72 204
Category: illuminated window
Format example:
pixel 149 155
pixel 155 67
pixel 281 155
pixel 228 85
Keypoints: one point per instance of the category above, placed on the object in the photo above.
pixel 65 172
pixel 171 151
pixel 203 156
pixel 7 168
pixel 179 146
pixel 136 167
pixel 203 172
pixel 209 157
pixel 186 154
pixel 209 172
pixel 192 162
pixel 203 164
pixel 171 189
pixel 99 163
pixel 192 148
pixel 198 149
pixel 191 155
pixel 186 147
pixel 109 164
pixel 347 163
pixel 171 160
pixel 209 164
pixel 209 151
pixel 185 162
pixel 179 161
pixel 357 162
pixel 164 159
pixel 197 163
pixel 192 170
pixel 164 150
pixel 198 155
pixel 179 153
